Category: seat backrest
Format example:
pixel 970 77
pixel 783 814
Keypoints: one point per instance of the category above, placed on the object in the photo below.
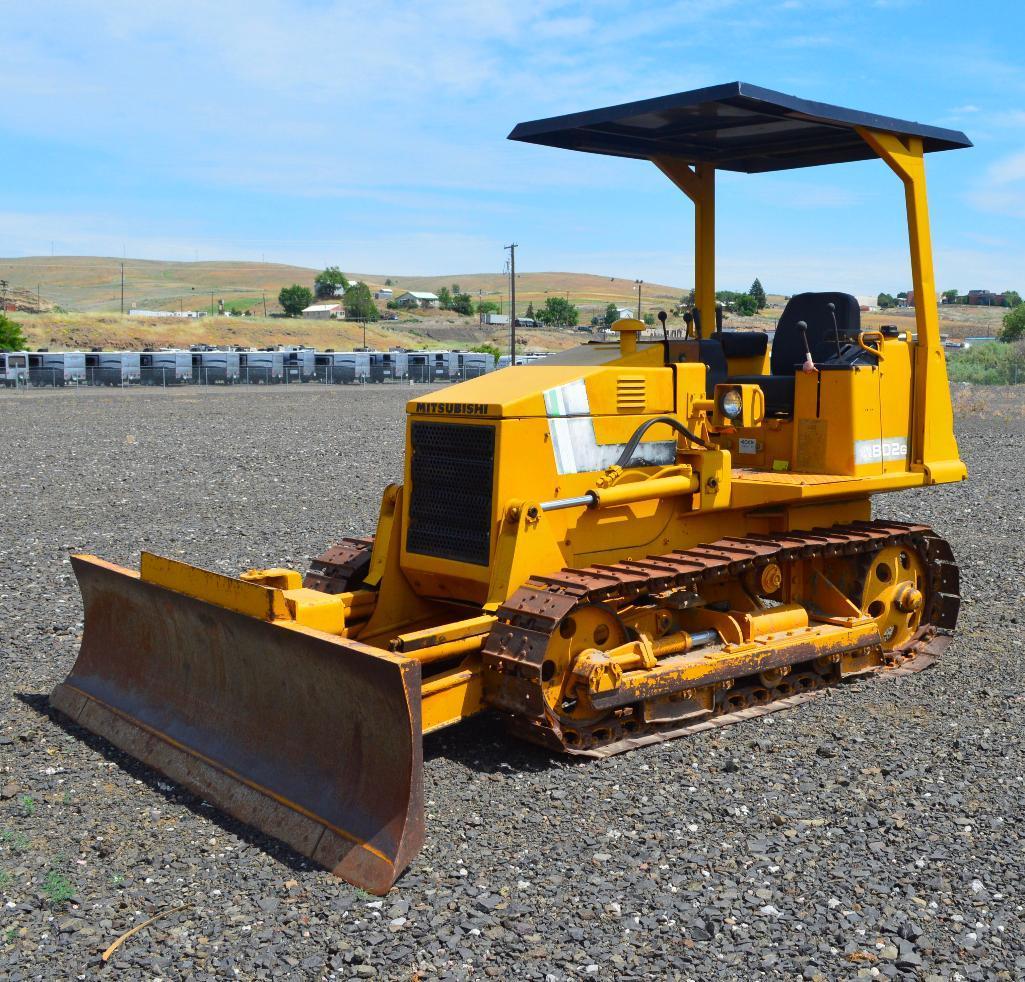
pixel 788 345
pixel 742 344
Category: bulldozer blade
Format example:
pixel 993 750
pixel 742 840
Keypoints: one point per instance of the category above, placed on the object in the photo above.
pixel 310 738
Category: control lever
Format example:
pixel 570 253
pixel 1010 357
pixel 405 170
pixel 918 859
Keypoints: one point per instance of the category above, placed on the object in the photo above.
pixel 809 364
pixel 688 318
pixel 663 316
pixel 836 327
pixel 697 322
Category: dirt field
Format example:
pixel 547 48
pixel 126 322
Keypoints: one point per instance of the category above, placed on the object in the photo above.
pixel 876 833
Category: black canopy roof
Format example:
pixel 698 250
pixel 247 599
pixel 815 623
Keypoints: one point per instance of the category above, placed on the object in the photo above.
pixel 736 126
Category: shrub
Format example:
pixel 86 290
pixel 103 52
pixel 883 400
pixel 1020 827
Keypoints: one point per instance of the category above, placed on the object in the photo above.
pixel 1014 324
pixel 11 338
pixel 989 364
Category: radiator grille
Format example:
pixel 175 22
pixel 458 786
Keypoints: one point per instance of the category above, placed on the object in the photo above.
pixel 630 394
pixel 452 470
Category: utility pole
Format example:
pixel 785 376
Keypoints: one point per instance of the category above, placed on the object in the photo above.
pixel 264 303
pixel 639 283
pixel 39 303
pixel 211 303
pixel 512 301
pixel 122 288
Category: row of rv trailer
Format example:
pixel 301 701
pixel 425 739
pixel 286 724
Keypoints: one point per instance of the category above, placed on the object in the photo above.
pixel 56 368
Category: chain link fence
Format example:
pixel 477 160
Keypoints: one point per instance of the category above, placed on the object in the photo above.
pixel 163 377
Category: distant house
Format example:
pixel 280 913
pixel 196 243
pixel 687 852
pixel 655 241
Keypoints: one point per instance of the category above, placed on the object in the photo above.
pixel 385 293
pixel 415 298
pixel 868 303
pixel 323 311
pixel 986 298
pixel 624 313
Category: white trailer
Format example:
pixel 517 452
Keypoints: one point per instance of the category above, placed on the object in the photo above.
pixel 343 367
pixel 13 368
pixel 262 366
pixel 209 367
pixel 165 367
pixel 55 368
pixel 113 367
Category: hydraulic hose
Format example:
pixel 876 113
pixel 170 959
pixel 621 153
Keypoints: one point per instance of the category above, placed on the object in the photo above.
pixel 631 448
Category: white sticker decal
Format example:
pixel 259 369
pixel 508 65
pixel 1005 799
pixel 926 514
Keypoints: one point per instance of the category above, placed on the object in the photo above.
pixel 747 445
pixel 877 451
pixel 574 443
pixel 567 400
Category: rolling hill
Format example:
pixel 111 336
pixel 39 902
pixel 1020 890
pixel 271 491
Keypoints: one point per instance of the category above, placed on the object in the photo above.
pixel 92 284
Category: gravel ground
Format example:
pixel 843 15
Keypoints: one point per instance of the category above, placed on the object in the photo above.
pixel 873 833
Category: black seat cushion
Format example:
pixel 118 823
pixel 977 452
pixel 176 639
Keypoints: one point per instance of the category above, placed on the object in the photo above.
pixel 742 344
pixel 812 308
pixel 778 389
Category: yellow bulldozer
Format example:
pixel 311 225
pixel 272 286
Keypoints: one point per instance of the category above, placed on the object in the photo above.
pixel 626 542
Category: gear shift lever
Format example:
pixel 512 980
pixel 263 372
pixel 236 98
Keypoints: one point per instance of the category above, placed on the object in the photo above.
pixel 809 364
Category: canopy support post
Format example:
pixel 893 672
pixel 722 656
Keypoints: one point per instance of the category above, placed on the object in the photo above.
pixel 698 183
pixel 932 444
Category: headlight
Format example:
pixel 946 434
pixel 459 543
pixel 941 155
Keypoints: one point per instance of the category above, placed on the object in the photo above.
pixel 732 403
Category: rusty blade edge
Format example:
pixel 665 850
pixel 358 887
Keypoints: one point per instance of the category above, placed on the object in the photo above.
pixel 58 702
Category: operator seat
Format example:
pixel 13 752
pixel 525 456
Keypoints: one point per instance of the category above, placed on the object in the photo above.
pixel 787 354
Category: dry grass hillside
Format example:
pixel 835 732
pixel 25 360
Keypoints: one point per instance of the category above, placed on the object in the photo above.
pixel 85 331
pixel 84 284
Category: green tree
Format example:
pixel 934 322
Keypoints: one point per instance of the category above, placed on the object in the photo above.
pixel 745 305
pixel 488 349
pixel 487 307
pixel 444 298
pixel 530 310
pixel 11 338
pixel 359 304
pixel 295 299
pixel 885 301
pixel 558 312
pixel 387 282
pixel 649 319
pixel 758 293
pixel 1013 298
pixel 328 281
pixel 462 303
pixel 949 295
pixel 611 315
pixel 1014 324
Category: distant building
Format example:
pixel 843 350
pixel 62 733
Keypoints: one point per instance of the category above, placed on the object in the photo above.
pixel 323 311
pixel 868 303
pixel 415 298
pixel 624 313
pixel 986 298
pixel 184 314
pixel 385 293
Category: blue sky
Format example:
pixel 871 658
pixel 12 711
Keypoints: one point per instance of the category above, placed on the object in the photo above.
pixel 372 135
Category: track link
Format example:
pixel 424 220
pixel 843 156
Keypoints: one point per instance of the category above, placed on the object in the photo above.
pixel 515 649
